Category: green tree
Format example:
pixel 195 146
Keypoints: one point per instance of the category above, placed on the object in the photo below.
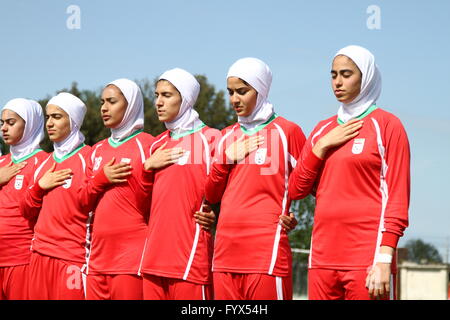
pixel 300 238
pixel 422 252
pixel 303 209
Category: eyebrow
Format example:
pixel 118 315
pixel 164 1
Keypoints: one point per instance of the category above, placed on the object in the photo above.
pixel 342 71
pixel 244 87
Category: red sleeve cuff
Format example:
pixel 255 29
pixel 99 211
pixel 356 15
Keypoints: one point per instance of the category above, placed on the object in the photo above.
pixel 390 239
pixel 37 191
pixel 148 175
pixel 100 180
pixel 312 162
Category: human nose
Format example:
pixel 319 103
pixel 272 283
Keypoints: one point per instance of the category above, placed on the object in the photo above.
pixel 234 99
pixel 159 101
pixel 338 81
pixel 49 123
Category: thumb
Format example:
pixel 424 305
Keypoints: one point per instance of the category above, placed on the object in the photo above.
pixel 52 168
pixel 10 164
pixel 162 146
pixel 111 162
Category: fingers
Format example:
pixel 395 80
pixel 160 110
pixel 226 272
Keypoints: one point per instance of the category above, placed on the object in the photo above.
pixel 255 142
pixel 119 173
pixel 205 218
pixel 161 147
pixel 120 167
pixel 288 222
pixel 377 284
pixel 175 153
pixel 52 168
pixel 207 208
pixel 111 162
pixel 117 180
pixel 61 175
pixel 349 129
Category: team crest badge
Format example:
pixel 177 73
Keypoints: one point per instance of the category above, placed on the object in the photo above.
pixel 125 160
pixel 184 158
pixel 19 182
pixel 97 162
pixel 358 146
pixel 68 183
pixel 260 156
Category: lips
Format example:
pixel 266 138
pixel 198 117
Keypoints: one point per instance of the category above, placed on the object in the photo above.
pixel 106 118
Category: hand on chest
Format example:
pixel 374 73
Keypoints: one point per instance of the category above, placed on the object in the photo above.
pixel 363 149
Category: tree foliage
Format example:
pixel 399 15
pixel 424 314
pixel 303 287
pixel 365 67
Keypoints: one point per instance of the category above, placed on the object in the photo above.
pixel 422 252
pixel 300 237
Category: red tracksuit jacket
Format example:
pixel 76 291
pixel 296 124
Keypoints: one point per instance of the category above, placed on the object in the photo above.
pixel 16 231
pixel 253 194
pixel 362 191
pixel 62 228
pixel 176 246
pixel 120 211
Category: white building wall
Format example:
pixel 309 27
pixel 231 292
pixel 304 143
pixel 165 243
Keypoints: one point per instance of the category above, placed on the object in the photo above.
pixel 423 282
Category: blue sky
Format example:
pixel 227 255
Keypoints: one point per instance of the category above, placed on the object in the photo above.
pixel 297 39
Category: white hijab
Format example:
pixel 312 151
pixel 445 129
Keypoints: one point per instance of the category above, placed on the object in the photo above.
pixel 257 74
pixel 370 82
pixel 189 88
pixel 76 109
pixel 133 118
pixel 31 112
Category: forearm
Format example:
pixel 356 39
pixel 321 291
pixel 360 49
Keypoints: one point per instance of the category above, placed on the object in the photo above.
pixel 304 176
pixel 91 189
pixel 216 182
pixel 31 203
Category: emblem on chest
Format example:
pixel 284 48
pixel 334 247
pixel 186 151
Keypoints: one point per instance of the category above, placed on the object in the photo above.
pixel 358 145
pixel 97 162
pixel 18 183
pixel 260 156
pixel 68 183
pixel 184 158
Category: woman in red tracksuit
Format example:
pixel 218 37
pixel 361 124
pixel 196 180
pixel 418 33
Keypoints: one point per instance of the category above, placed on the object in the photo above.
pixel 357 163
pixel 22 125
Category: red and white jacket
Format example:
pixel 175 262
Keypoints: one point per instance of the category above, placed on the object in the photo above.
pixel 177 247
pixel 121 211
pixel 16 231
pixel 362 191
pixel 62 228
pixel 253 194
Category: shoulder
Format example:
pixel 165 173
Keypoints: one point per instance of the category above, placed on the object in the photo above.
pixel 213 135
pixel 98 144
pixel 86 151
pixel 5 160
pixel 287 125
pixel 321 125
pixel 211 132
pixel 232 127
pixel 385 116
pixel 145 137
pixel 161 136
pixel 42 155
